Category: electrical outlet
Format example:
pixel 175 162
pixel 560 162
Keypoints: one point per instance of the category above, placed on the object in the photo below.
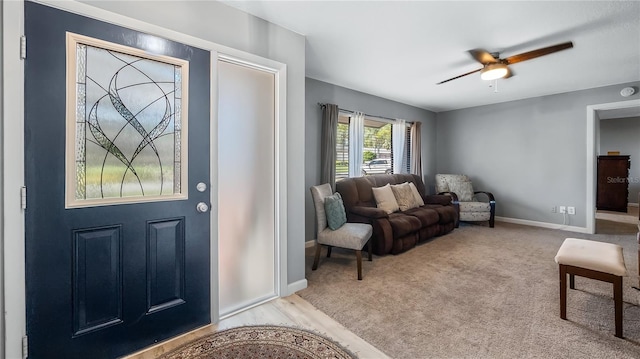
pixel 563 209
pixel 554 209
pixel 571 210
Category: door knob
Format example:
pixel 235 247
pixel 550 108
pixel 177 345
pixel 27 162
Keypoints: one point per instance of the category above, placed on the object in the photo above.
pixel 202 207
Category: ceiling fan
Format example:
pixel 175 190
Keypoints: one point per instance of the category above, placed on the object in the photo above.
pixel 494 67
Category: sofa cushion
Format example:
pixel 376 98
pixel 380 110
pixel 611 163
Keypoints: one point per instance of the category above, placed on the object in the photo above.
pixel 404 196
pixel 385 199
pixel 427 216
pixel 416 194
pixel 464 190
pixel 403 224
pixel 447 214
pixel 334 210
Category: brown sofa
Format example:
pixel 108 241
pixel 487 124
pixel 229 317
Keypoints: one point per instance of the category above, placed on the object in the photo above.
pixel 399 231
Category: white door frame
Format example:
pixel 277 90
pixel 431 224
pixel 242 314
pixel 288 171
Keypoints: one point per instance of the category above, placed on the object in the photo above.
pixel 13 236
pixel 593 140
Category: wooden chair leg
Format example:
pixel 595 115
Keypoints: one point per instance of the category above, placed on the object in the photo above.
pixel 329 251
pixel 370 250
pixel 572 281
pixel 359 260
pixel 617 299
pixel 563 292
pixel 317 257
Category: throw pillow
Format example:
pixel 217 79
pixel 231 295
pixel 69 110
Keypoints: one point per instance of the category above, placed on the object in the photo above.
pixel 416 194
pixel 385 199
pixel 404 196
pixel 334 210
pixel 464 190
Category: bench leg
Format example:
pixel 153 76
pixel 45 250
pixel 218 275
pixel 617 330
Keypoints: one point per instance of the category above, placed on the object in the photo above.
pixel 329 251
pixel 563 292
pixel 359 260
pixel 617 299
pixel 572 281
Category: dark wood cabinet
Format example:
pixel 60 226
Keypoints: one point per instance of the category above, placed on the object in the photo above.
pixel 613 186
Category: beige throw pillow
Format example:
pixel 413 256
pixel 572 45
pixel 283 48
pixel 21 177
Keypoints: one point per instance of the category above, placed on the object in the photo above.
pixel 385 199
pixel 404 196
pixel 464 190
pixel 416 194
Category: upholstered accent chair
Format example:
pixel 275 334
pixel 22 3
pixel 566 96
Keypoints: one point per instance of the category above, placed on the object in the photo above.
pixel 473 206
pixel 346 235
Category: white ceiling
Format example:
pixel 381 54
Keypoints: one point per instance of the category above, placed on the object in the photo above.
pixel 400 50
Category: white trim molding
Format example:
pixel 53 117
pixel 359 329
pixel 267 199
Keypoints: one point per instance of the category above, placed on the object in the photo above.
pixel 296 286
pixel 527 222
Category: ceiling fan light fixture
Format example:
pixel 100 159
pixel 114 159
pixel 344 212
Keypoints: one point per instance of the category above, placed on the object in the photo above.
pixel 493 71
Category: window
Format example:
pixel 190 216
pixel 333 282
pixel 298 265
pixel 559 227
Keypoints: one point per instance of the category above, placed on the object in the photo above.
pixel 377 151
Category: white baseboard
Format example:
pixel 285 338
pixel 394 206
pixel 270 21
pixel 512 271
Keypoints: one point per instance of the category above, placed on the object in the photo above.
pixel 311 243
pixel 633 204
pixel 296 286
pixel 542 224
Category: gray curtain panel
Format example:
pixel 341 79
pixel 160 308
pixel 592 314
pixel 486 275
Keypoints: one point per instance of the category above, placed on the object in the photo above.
pixel 416 153
pixel 328 145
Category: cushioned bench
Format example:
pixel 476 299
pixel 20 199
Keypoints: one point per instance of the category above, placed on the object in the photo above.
pixel 595 260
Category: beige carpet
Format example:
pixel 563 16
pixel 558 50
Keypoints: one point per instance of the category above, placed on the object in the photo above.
pixel 478 292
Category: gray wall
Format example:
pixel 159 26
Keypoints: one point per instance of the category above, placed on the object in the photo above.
pixel 224 25
pixel 318 91
pixel 623 134
pixel 530 153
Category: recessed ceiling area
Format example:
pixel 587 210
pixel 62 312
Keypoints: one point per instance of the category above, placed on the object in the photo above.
pixel 399 50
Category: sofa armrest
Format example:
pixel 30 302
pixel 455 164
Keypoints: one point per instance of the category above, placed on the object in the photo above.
pixel 369 212
pixel 454 197
pixel 438 199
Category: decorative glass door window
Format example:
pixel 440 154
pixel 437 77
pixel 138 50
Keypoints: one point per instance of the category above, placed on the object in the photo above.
pixel 126 124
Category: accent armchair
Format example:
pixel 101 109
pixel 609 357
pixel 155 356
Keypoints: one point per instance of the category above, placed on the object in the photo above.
pixel 473 206
pixel 344 235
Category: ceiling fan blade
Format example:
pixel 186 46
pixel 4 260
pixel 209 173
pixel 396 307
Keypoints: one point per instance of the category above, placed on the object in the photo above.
pixel 537 53
pixel 457 77
pixel 482 56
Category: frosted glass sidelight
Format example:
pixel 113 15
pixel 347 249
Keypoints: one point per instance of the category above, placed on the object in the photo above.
pixel 246 186
pixel 128 123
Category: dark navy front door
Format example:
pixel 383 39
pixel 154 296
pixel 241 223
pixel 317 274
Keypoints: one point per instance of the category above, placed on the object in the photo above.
pixel 103 281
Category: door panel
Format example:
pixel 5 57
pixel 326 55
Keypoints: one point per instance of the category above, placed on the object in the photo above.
pixel 105 281
pixel 246 180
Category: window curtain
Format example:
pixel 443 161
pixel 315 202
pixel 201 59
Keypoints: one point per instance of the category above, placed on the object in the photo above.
pixel 399 142
pixel 328 144
pixel 416 149
pixel 356 142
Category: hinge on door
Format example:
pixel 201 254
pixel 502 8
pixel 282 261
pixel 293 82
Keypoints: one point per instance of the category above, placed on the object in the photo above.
pixel 23 197
pixel 25 347
pixel 23 47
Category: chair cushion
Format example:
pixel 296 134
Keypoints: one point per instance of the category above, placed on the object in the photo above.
pixel 417 195
pixel 334 209
pixel 598 256
pixel 385 199
pixel 404 196
pixel 475 216
pixel 350 236
pixel 475 207
pixel 464 190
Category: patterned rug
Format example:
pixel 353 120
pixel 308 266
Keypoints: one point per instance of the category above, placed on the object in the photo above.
pixel 265 341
